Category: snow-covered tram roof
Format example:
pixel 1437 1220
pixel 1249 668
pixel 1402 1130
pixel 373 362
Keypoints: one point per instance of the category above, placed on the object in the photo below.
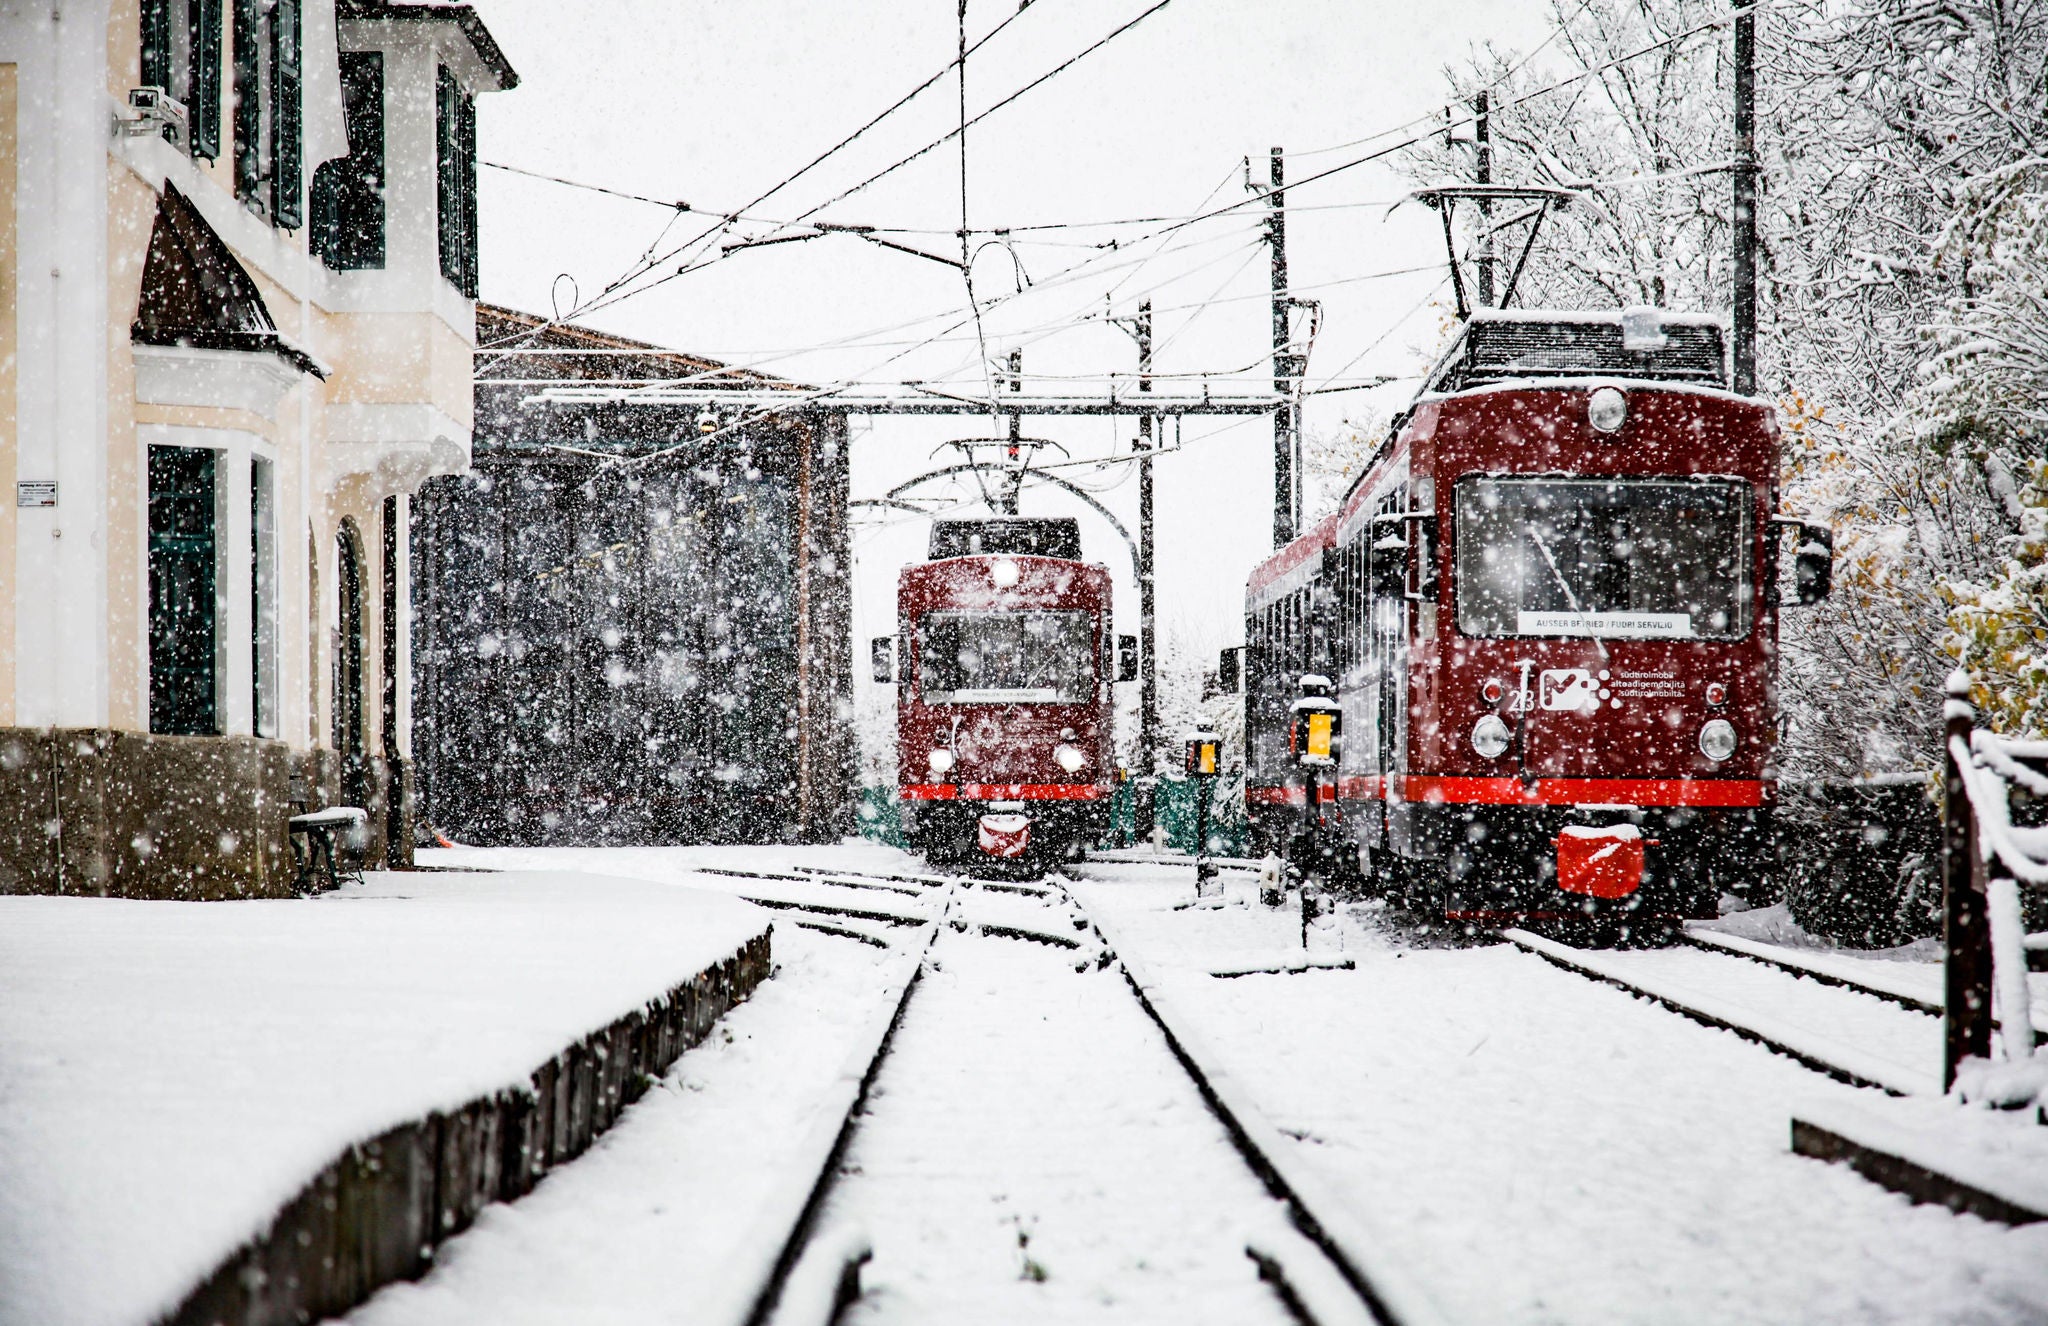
pixel 1640 344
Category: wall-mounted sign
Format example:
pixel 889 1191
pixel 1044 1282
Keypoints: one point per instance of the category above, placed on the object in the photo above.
pixel 35 492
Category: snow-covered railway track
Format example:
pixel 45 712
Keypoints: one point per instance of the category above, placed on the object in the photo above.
pixel 1332 1268
pixel 1812 968
pixel 1864 1042
pixel 1013 1141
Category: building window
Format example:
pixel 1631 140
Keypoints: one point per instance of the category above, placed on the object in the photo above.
pixel 183 655
pixel 181 55
pixel 269 165
pixel 348 664
pixel 263 595
pixel 348 194
pixel 455 161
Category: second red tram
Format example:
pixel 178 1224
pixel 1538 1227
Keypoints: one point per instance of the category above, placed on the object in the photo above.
pixel 1549 612
pixel 1003 664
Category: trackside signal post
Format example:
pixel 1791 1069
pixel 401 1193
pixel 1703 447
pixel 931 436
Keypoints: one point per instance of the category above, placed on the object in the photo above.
pixel 1204 762
pixel 1316 737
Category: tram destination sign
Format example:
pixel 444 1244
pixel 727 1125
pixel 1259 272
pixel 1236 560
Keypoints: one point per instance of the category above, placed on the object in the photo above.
pixel 1613 625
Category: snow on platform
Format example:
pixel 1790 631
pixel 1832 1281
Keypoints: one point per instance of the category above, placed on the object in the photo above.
pixel 172 1073
pixel 1542 1148
pixel 646 1226
pixel 1991 1162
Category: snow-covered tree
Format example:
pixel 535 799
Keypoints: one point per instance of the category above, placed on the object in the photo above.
pixel 1982 397
pixel 1332 461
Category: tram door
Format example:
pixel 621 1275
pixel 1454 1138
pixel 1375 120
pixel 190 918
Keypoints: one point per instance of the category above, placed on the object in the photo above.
pixel 1387 646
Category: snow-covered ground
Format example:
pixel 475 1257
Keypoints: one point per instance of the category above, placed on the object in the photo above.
pixel 1531 1146
pixel 171 1073
pixel 1032 1152
pixel 1542 1148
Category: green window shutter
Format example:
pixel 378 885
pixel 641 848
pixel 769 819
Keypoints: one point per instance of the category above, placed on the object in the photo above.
pixel 156 43
pixel 447 174
pixel 348 195
pixel 204 110
pixel 466 161
pixel 249 173
pixel 183 684
pixel 287 149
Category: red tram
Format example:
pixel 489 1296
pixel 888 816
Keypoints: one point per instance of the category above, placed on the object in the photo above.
pixel 1003 661
pixel 1549 611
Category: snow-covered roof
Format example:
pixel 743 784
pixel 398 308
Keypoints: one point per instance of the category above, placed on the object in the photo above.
pixel 1644 344
pixel 464 17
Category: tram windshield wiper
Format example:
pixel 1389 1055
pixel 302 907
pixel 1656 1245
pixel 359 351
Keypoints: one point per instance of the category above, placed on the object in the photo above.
pixel 1571 599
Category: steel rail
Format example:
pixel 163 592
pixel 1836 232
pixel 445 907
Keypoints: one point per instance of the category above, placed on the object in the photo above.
pixel 1736 947
pixel 825 909
pixel 735 872
pixel 1817 1053
pixel 776 1245
pixel 841 931
pixel 1384 1290
pixel 807 1279
pixel 929 881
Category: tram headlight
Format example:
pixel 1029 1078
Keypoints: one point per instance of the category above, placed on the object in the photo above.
pixel 1606 408
pixel 1490 736
pixel 1717 739
pixel 940 759
pixel 1068 757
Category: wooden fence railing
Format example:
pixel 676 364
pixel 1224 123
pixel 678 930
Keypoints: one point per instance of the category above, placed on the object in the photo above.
pixel 1988 865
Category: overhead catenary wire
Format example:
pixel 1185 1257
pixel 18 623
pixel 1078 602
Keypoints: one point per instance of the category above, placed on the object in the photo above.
pixel 865 339
pixel 1256 196
pixel 810 165
pixel 1012 230
pixel 1260 195
pixel 1557 30
pixel 935 144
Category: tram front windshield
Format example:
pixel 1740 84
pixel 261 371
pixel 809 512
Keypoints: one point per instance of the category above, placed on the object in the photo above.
pixel 1611 558
pixel 1006 657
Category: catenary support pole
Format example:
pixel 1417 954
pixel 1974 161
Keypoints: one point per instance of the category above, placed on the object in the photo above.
pixel 1482 150
pixel 1285 507
pixel 1016 457
pixel 1744 319
pixel 1148 675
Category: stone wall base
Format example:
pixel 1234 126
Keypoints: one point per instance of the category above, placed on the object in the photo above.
pixel 106 813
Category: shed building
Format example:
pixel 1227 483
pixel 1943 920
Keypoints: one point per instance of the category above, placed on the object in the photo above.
pixel 631 620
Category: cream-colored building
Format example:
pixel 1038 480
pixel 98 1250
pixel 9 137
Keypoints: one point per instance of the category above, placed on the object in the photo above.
pixel 237 310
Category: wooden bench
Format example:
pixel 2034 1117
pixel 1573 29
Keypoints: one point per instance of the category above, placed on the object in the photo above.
pixel 327 834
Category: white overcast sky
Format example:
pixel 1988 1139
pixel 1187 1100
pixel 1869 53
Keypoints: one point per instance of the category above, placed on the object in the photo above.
pixel 715 101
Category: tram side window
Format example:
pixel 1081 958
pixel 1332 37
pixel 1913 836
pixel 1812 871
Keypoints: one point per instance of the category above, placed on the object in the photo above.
pixel 1286 607
pixel 1352 611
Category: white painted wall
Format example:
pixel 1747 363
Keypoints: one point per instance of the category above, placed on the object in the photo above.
pixel 60 46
